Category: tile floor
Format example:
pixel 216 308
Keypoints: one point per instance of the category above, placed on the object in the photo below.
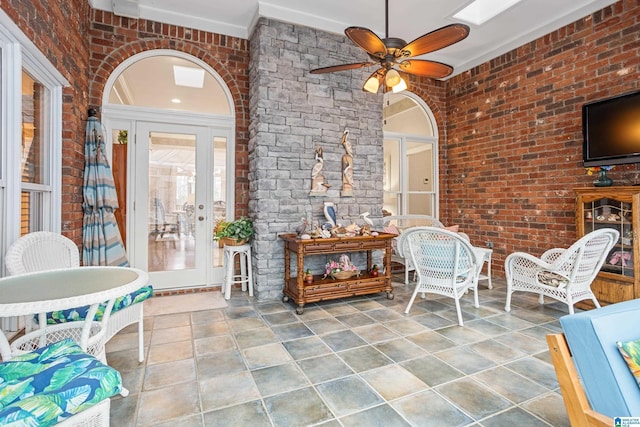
pixel 351 362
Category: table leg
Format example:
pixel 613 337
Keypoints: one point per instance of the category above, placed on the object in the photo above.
pixel 387 269
pixel 489 271
pixel 5 348
pixel 42 323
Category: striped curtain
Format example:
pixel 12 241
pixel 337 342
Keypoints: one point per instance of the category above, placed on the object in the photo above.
pixel 102 243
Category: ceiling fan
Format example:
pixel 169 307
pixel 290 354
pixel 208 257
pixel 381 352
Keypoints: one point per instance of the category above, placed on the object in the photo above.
pixel 391 51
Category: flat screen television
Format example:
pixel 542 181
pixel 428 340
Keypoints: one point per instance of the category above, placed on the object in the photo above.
pixel 611 130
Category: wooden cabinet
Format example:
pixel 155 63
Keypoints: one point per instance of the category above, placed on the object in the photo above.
pixel 619 208
pixel 327 289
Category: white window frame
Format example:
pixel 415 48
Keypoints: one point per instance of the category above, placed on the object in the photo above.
pixel 18 54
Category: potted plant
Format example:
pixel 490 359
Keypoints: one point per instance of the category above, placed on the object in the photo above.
pixel 342 269
pixel 234 233
pixel 375 271
pixel 308 276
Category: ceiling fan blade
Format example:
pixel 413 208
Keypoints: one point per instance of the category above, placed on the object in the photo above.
pixel 342 67
pixel 436 40
pixel 367 40
pixel 420 67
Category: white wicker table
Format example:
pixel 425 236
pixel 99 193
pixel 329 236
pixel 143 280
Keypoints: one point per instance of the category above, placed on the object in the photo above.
pixel 485 256
pixel 44 291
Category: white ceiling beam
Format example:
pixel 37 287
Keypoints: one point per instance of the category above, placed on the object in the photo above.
pixel 126 8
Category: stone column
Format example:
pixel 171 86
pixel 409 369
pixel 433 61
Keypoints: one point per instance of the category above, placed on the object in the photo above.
pixel 292 113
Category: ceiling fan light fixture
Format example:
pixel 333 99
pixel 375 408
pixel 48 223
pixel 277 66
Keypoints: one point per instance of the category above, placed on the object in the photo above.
pixel 371 85
pixel 391 51
pixel 400 86
pixel 393 78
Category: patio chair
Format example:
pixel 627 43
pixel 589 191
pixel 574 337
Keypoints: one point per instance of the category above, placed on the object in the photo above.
pixel 396 224
pixel 58 384
pixel 445 262
pixel 44 250
pixel 562 274
pixel 596 369
pixel 160 227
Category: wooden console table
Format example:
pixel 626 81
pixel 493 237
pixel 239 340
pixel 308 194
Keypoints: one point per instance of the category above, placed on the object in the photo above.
pixel 327 289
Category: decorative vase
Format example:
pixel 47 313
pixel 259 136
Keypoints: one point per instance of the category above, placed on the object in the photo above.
pixel 603 180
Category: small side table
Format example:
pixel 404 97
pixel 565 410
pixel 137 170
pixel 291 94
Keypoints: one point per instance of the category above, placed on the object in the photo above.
pixel 485 256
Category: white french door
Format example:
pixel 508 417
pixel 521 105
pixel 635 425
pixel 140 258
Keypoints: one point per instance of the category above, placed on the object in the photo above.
pixel 410 175
pixel 173 204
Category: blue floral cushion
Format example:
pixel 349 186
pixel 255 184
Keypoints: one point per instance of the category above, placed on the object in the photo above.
pixel 53 383
pixel 75 314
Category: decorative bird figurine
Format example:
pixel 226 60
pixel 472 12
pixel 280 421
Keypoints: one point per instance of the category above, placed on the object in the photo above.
pixel 365 217
pixel 319 183
pixel 330 213
pixel 302 228
pixel 317 168
pixel 347 166
pixel 345 142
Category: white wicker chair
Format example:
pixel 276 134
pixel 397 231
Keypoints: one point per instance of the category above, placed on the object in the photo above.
pixel 404 222
pixel 562 274
pixel 44 250
pixel 445 262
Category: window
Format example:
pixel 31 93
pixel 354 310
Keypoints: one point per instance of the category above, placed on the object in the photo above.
pixel 31 138
pixel 34 167
pixel 410 157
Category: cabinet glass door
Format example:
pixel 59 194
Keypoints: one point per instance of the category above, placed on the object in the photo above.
pixel 611 213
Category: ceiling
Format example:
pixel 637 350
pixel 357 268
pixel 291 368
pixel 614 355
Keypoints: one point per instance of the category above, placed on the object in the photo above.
pixel 408 19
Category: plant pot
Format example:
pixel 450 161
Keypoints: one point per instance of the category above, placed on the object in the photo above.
pixel 228 241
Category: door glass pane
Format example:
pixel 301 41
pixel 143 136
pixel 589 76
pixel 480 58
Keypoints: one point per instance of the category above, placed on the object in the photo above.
pixel 420 166
pixel 219 180
pixel 172 184
pixel 420 204
pixel 391 178
pixel 420 178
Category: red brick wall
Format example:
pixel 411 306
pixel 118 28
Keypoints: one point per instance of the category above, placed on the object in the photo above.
pixel 434 94
pixel 513 152
pixel 59 30
pixel 114 39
